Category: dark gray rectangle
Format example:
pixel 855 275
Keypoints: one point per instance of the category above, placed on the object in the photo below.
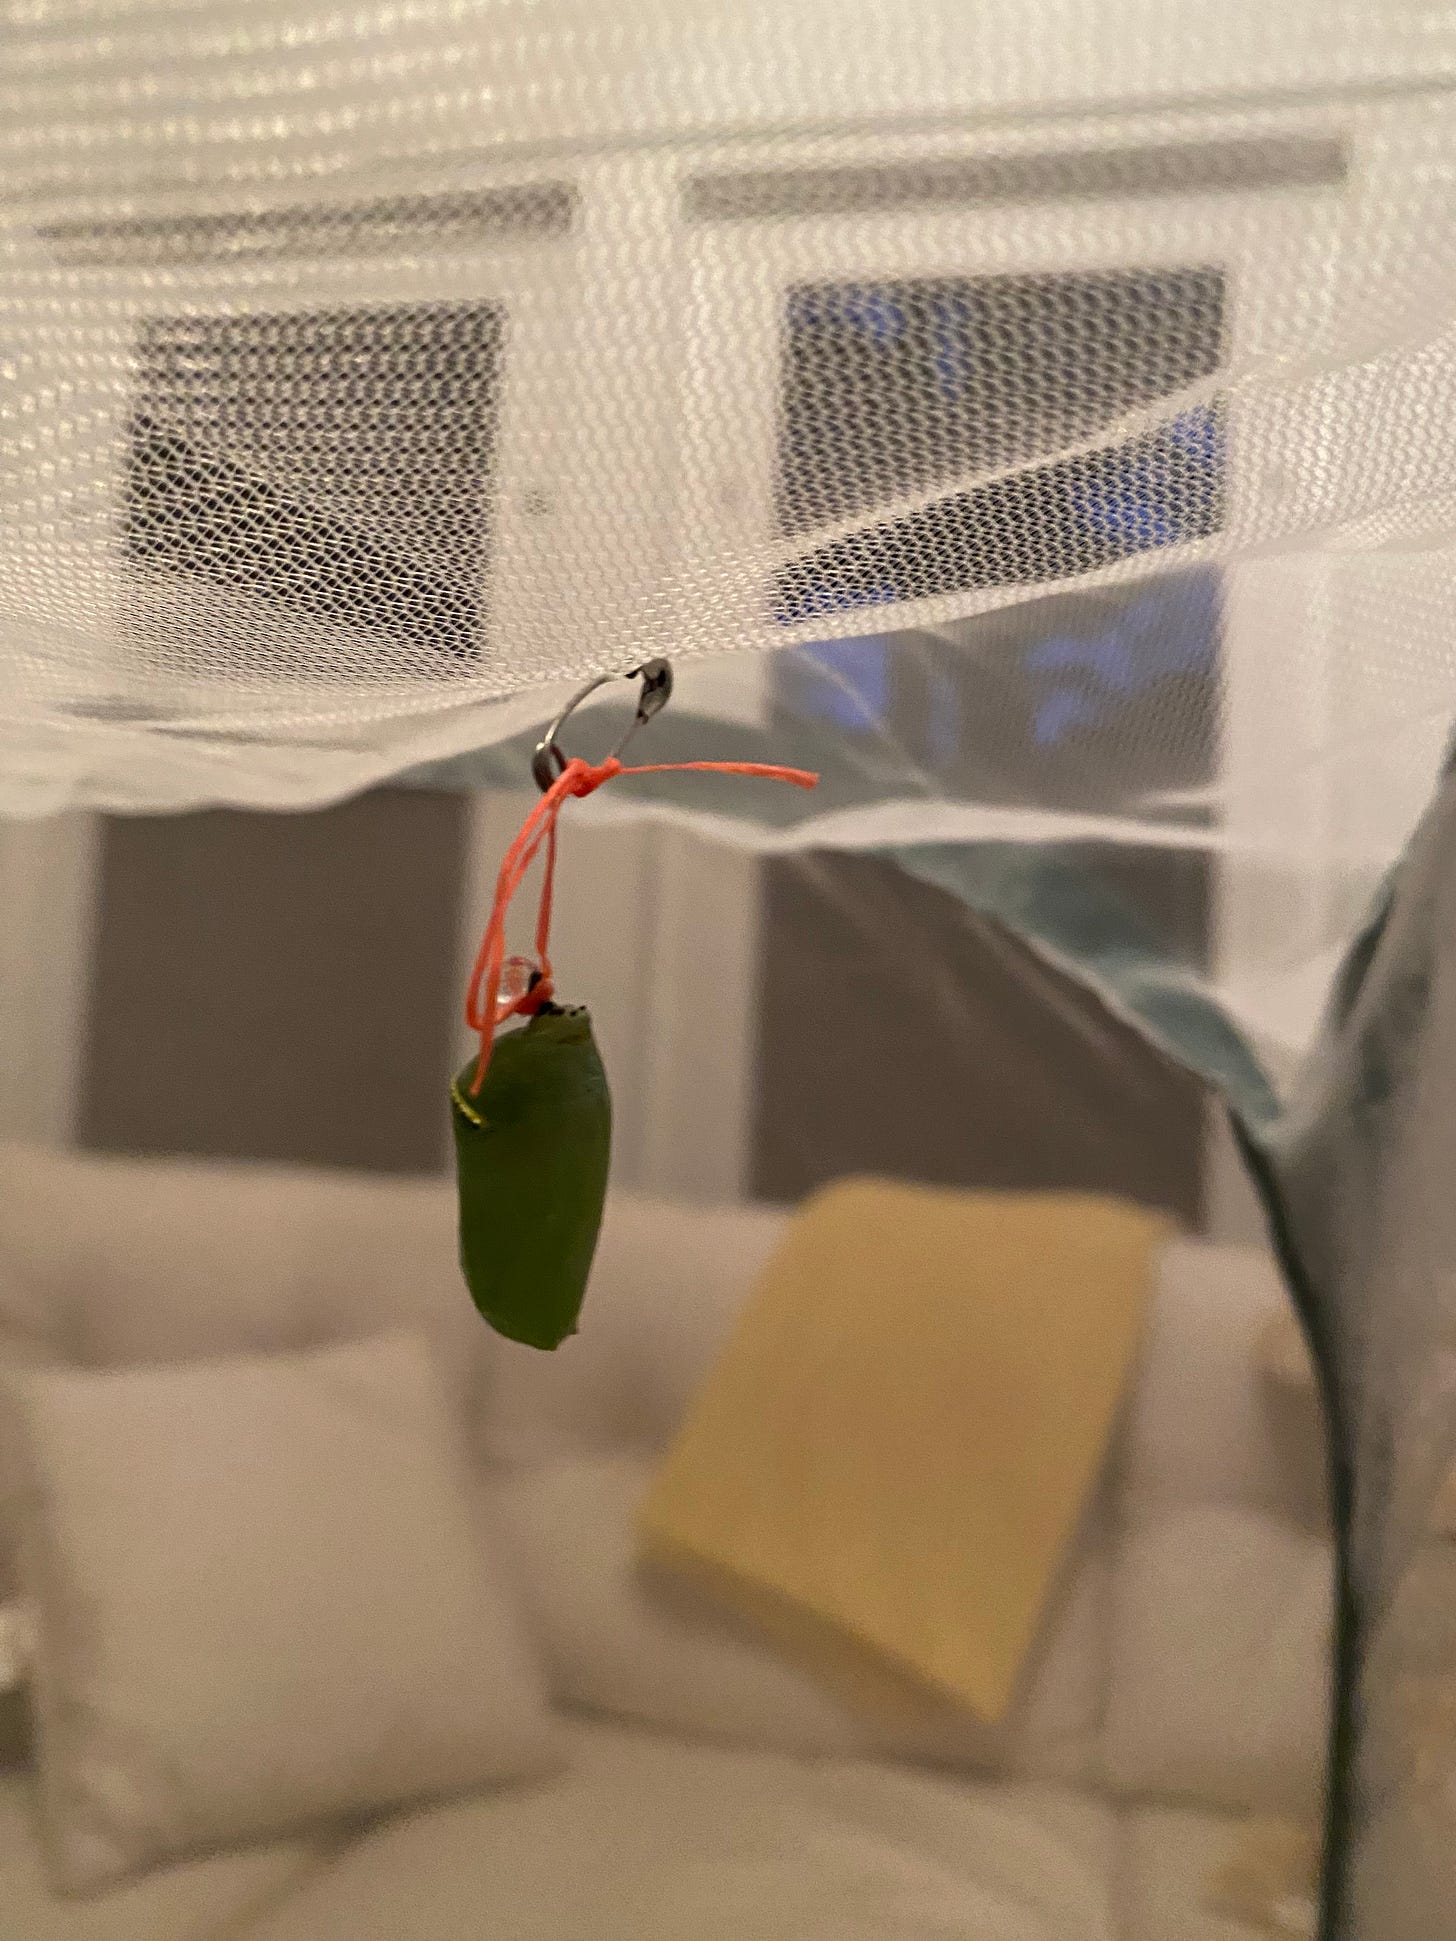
pixel 1154 169
pixel 371 228
pixel 279 987
pixel 975 1063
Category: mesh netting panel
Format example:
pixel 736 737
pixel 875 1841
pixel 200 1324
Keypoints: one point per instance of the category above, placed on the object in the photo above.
pixel 1042 420
pixel 359 369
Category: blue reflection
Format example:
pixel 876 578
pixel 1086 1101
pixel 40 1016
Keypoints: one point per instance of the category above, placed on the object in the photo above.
pixel 950 355
pixel 1163 632
pixel 824 597
pixel 849 681
pixel 1073 680
pixel 868 308
pixel 1198 433
pixel 1155 491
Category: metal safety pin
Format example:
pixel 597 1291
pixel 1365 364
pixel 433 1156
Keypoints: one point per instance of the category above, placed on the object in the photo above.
pixel 549 760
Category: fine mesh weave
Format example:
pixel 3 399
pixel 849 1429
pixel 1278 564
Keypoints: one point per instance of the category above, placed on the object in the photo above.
pixel 362 369
pixel 1041 419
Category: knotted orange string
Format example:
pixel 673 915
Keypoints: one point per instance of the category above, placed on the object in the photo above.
pixel 502 987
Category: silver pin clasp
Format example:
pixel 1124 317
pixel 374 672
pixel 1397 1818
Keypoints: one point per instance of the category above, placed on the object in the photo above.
pixel 549 759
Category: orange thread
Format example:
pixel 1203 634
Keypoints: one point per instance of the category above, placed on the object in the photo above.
pixel 485 1007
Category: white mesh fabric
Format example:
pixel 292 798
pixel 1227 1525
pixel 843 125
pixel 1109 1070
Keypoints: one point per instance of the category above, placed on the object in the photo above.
pixel 1040 417
pixel 361 367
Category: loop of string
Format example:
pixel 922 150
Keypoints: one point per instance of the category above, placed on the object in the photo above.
pixel 502 987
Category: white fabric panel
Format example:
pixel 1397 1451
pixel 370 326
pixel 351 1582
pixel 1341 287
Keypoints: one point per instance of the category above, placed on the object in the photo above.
pixel 645 1839
pixel 121 1261
pixel 105 1259
pixel 18 1357
pixel 48 879
pixel 1204 1425
pixel 1220 1662
pixel 637 1647
pixel 618 1643
pixel 195 1901
pixel 118 1261
pixel 1170 1858
pixel 261 1602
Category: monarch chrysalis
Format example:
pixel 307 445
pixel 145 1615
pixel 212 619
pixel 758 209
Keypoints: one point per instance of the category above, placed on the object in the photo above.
pixel 532 1114
pixel 531 1149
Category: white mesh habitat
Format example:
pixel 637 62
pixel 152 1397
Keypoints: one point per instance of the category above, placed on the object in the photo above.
pixel 1038 418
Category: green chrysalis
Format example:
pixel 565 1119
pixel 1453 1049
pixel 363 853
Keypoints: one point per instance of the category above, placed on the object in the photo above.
pixel 531 1154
